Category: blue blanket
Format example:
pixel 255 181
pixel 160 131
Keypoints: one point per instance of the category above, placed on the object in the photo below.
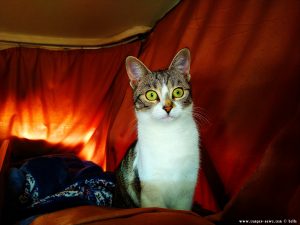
pixel 50 183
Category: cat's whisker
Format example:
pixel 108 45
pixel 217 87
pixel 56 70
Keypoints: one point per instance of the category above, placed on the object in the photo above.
pixel 201 110
pixel 201 116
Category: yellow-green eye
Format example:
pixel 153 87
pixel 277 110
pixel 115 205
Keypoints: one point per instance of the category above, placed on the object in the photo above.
pixel 178 92
pixel 151 95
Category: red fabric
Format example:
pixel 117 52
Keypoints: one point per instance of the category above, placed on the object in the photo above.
pixel 245 76
pixel 68 97
pixel 92 215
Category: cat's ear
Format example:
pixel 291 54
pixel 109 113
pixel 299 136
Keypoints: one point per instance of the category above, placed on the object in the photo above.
pixel 181 62
pixel 135 70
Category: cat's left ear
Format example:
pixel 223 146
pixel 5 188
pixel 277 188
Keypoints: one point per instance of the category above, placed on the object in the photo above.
pixel 181 62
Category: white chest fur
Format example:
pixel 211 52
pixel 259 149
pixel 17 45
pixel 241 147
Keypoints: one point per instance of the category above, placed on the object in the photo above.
pixel 167 161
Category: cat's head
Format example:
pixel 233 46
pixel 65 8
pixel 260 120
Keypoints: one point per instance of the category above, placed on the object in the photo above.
pixel 161 95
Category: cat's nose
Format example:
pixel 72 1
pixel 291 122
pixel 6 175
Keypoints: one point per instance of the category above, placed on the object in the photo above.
pixel 167 108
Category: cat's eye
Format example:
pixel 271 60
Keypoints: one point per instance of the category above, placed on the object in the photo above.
pixel 178 92
pixel 151 95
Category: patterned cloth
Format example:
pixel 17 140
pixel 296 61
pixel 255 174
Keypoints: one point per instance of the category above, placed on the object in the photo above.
pixel 50 183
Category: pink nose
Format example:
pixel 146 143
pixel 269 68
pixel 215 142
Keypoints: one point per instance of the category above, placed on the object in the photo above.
pixel 167 108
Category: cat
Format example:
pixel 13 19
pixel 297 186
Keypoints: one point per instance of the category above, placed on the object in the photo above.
pixel 161 168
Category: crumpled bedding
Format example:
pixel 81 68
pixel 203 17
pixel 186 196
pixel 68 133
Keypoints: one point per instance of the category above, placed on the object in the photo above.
pixel 49 183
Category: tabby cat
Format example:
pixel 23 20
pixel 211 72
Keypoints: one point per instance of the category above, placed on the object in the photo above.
pixel 161 169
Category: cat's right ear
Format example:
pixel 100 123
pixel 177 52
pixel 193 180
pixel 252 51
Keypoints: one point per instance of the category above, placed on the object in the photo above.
pixel 135 70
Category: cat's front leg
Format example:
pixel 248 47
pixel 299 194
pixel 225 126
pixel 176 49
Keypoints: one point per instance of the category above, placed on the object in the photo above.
pixel 151 195
pixel 182 198
pixel 183 202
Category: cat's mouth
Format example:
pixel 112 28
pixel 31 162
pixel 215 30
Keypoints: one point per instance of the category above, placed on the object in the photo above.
pixel 168 118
